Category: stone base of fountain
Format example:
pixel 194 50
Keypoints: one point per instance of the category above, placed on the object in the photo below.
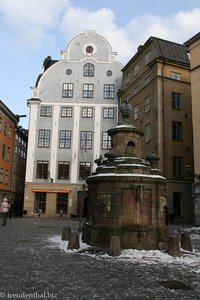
pixel 131 236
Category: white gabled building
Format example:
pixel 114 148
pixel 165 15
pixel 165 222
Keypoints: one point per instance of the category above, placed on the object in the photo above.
pixel 73 105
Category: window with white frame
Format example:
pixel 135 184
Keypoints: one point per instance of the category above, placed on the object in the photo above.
pixel 108 113
pixel 44 138
pixel 106 141
pixel 45 111
pixel 88 90
pixel 65 139
pixel 109 91
pixel 87 112
pixel 86 140
pixel 66 112
pixel 68 89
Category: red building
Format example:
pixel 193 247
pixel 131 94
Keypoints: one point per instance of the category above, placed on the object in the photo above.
pixel 12 170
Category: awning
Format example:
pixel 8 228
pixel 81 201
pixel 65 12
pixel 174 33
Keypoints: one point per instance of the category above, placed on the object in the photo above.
pixel 50 191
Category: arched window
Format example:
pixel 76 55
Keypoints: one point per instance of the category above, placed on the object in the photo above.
pixel 88 70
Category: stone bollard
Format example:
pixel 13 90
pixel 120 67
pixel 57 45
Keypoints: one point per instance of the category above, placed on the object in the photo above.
pixel 173 246
pixel 66 233
pixel 186 241
pixel 73 241
pixel 114 246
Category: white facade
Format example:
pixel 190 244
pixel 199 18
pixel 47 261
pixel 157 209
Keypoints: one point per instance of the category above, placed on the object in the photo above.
pixel 73 105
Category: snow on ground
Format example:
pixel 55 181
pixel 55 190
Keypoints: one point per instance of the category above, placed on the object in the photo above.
pixel 56 242
pixel 187 259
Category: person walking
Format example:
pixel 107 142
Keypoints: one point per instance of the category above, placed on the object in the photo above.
pixel 4 210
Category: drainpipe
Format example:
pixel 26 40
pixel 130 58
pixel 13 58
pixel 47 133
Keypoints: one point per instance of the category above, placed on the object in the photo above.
pixel 163 117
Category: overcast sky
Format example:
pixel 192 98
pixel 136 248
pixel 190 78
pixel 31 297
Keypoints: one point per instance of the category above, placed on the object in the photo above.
pixel 33 29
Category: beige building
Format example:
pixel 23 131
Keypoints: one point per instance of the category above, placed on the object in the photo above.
pixel 156 82
pixel 193 45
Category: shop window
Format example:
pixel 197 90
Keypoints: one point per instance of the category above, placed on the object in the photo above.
pixel 62 203
pixel 40 202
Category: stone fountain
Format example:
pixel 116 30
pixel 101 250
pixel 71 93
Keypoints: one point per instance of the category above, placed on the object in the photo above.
pixel 126 194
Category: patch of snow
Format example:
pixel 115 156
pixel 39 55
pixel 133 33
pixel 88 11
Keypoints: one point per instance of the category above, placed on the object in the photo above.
pixel 128 175
pixel 109 167
pixel 57 242
pixel 187 260
pixel 193 230
pixel 125 126
pixel 134 165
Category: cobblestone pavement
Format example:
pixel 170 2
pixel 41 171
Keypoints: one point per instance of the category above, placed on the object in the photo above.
pixel 30 269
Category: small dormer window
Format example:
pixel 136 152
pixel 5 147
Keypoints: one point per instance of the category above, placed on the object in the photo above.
pixel 147 58
pixel 137 69
pixel 89 49
pixel 176 76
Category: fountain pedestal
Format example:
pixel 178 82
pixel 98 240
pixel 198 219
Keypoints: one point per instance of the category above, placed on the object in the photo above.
pixel 126 196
